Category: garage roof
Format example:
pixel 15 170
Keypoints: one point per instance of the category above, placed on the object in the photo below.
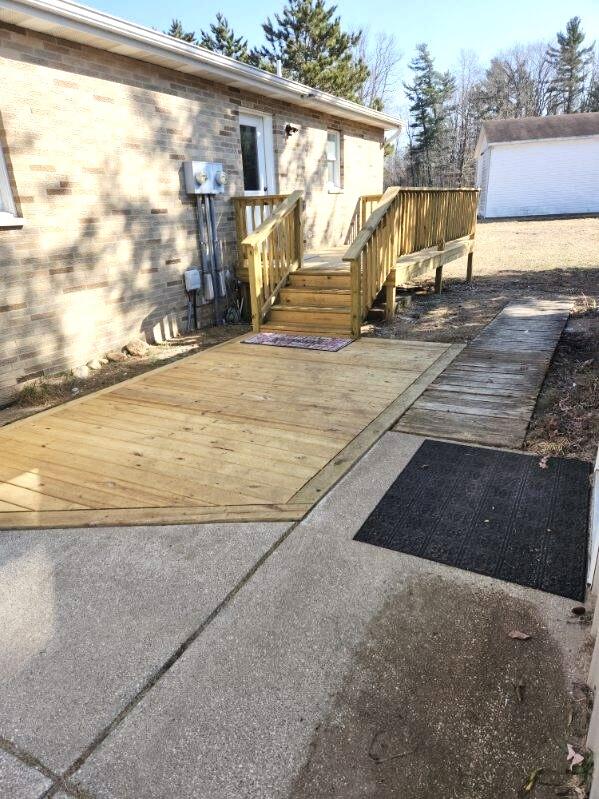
pixel 78 23
pixel 533 128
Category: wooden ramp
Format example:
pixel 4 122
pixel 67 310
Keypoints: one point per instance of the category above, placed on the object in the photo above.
pixel 239 432
pixel 488 394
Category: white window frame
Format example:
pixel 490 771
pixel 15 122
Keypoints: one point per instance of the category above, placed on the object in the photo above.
pixel 334 187
pixel 8 209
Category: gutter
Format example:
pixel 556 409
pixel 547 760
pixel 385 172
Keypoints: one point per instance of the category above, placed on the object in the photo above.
pixel 86 25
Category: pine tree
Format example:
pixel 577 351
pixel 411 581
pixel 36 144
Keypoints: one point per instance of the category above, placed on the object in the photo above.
pixel 221 39
pixel 176 30
pixel 429 95
pixel 591 102
pixel 571 64
pixel 308 39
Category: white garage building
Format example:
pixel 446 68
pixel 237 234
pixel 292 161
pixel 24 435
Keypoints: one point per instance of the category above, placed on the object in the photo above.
pixel 539 165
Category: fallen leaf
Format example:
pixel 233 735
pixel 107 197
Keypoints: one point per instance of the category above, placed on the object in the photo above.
pixel 573 757
pixel 531 781
pixel 519 635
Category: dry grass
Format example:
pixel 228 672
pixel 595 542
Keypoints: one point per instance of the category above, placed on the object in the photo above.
pixel 566 419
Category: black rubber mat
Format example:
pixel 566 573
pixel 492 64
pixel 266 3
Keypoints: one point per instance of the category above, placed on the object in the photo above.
pixel 489 511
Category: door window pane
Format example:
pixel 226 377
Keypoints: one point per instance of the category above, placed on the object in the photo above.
pixel 249 158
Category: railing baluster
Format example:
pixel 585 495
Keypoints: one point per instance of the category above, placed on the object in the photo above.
pixel 273 249
pixel 404 221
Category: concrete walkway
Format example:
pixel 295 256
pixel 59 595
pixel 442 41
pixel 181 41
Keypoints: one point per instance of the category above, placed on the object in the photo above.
pixel 275 661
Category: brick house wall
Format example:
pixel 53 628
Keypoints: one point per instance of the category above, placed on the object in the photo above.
pixel 94 144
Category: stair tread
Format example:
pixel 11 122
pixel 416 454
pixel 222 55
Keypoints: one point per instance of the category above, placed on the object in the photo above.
pixel 315 330
pixel 323 271
pixel 310 278
pixel 316 290
pixel 335 309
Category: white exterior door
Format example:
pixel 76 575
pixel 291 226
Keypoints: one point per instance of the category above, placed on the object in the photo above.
pixel 257 154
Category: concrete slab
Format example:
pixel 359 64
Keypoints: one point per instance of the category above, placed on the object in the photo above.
pixel 266 703
pixel 87 616
pixel 19 781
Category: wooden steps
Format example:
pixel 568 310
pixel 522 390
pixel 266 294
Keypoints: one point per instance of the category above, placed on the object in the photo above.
pixel 315 302
pixel 320 280
pixel 328 298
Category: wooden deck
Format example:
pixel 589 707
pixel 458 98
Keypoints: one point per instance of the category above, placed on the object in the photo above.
pixel 239 432
pixel 326 260
pixel 488 394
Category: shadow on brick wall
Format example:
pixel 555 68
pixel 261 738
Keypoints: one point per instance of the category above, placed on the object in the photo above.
pixel 100 257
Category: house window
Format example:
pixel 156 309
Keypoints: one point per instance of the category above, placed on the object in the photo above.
pixel 334 160
pixel 8 211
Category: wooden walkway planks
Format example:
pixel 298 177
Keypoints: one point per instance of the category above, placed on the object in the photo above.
pixel 488 393
pixel 236 433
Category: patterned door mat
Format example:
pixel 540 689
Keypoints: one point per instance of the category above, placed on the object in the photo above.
pixel 299 341
pixel 504 514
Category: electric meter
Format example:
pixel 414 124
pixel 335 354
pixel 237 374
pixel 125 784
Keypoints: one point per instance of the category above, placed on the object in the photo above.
pixel 204 177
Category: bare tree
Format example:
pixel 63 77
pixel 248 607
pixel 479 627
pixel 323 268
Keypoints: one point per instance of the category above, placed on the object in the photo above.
pixel 465 119
pixel 382 55
pixel 591 100
pixel 541 73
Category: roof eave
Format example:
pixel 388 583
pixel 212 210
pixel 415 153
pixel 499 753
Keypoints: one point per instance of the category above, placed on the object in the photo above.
pixel 536 140
pixel 78 23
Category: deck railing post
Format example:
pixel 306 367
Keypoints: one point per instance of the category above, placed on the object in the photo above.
pixel 474 215
pixel 356 297
pixel 298 218
pixel 255 275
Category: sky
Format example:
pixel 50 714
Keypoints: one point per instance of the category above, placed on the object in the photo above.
pixel 447 27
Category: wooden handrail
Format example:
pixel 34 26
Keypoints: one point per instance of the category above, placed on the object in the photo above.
pixel 371 224
pixel 405 220
pixel 468 189
pixel 272 251
pixel 250 212
pixel 262 232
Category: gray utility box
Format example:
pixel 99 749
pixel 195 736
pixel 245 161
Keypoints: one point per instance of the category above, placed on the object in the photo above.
pixel 204 177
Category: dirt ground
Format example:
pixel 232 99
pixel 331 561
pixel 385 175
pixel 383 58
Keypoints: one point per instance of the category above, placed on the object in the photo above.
pixel 42 394
pixel 515 259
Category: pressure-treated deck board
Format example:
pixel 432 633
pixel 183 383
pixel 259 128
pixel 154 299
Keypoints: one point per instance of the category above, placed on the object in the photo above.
pixel 488 393
pixel 238 432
